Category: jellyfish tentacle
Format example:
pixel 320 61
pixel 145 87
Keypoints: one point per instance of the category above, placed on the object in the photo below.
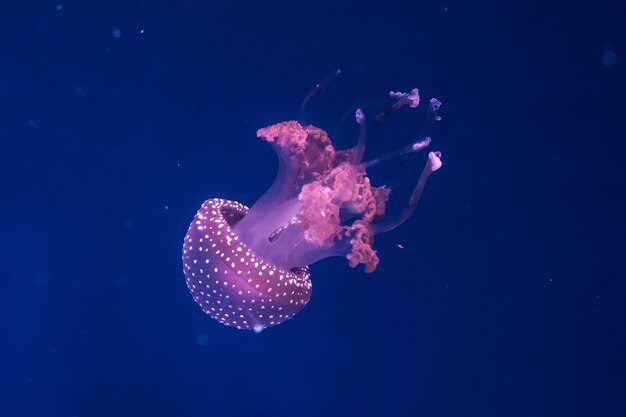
pixel 359 149
pixel 433 164
pixel 321 86
pixel 411 99
pixel 431 118
pixel 424 132
pixel 412 148
pixel 433 108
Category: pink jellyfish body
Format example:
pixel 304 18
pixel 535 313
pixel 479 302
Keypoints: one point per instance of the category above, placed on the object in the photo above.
pixel 248 267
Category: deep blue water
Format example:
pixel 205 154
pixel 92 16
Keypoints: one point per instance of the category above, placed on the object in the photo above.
pixel 118 118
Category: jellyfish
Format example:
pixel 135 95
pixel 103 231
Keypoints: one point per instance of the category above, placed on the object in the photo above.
pixel 248 267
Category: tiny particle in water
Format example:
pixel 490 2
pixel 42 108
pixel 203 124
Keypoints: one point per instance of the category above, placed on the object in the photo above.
pixel 127 224
pixel 167 207
pixel 609 58
pixel 400 246
pixel 78 90
pixel 141 31
pixel 32 123
pixel 202 339
pixel 59 7
pixel 116 33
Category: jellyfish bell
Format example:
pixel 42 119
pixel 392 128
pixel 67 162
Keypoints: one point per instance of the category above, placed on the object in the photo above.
pixel 230 280
pixel 248 267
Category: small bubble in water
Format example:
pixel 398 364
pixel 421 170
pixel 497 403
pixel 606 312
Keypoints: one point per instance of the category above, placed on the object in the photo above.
pixel 609 58
pixel 116 33
pixel 202 339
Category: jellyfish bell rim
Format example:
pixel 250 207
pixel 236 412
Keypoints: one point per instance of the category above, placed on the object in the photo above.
pixel 232 212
